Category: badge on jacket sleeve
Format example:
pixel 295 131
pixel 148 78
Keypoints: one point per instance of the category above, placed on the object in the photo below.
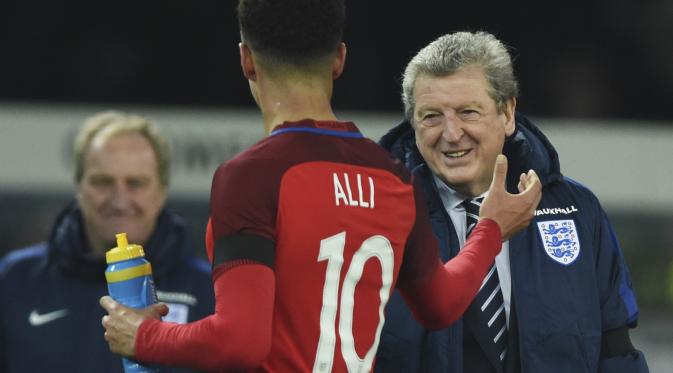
pixel 560 240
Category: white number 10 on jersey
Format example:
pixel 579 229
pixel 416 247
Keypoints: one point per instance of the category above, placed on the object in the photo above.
pixel 332 250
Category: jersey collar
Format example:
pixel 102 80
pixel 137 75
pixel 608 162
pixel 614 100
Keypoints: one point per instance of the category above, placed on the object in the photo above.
pixel 322 127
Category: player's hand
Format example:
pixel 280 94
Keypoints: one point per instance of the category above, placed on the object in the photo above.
pixel 512 212
pixel 122 323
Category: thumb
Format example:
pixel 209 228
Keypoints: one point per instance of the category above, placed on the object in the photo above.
pixel 108 303
pixel 499 173
pixel 158 310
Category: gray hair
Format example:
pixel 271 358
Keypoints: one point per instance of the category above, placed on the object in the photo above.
pixel 451 52
pixel 110 123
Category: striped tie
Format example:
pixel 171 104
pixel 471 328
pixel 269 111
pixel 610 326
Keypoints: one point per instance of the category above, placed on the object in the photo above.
pixel 488 307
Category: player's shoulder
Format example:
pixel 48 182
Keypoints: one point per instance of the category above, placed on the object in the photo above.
pixel 385 160
pixel 368 153
pixel 248 161
pixel 275 154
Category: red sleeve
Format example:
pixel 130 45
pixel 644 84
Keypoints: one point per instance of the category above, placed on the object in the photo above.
pixel 243 200
pixel 437 293
pixel 237 336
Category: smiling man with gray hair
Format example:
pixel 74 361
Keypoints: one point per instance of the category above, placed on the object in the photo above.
pixel 558 297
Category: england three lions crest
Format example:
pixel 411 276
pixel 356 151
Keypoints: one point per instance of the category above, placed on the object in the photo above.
pixel 560 240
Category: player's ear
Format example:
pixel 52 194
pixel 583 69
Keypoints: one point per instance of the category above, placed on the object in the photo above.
pixel 247 62
pixel 339 61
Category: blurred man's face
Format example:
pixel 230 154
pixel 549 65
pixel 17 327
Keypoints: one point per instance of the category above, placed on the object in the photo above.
pixel 459 131
pixel 120 190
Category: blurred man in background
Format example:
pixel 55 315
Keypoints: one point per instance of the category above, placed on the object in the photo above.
pixel 558 297
pixel 49 313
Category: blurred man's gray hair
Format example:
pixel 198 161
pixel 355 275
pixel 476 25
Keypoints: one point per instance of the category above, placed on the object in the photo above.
pixel 111 123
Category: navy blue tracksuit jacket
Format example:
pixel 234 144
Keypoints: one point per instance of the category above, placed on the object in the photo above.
pixel 50 319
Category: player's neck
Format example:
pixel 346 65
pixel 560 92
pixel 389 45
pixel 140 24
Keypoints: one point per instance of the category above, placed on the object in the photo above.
pixel 291 100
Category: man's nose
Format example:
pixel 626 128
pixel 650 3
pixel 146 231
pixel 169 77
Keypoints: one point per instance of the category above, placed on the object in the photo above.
pixel 121 197
pixel 453 129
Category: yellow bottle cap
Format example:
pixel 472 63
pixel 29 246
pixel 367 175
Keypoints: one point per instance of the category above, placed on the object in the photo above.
pixel 124 250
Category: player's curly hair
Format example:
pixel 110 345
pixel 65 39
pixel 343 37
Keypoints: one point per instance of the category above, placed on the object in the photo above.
pixel 292 32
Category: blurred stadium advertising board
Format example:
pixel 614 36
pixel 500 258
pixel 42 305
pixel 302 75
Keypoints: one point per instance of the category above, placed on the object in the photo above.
pixel 627 164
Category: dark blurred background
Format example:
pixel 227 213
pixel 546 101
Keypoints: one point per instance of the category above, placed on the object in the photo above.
pixel 596 58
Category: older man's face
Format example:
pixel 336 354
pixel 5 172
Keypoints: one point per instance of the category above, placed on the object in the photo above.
pixel 120 190
pixel 459 130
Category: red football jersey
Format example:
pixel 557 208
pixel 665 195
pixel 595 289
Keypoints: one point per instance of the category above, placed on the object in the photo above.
pixel 341 212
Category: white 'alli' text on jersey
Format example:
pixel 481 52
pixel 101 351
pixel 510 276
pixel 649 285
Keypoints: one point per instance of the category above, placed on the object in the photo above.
pixel 350 191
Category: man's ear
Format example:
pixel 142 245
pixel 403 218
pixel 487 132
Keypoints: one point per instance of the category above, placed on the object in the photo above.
pixel 339 61
pixel 247 62
pixel 510 116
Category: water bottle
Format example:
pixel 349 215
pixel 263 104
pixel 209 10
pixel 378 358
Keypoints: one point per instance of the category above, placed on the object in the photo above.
pixel 130 282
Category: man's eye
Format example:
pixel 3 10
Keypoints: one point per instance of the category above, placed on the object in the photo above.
pixel 100 181
pixel 470 114
pixel 431 119
pixel 136 183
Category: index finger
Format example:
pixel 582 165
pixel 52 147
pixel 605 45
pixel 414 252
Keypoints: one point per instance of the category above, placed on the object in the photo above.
pixel 531 181
pixel 533 188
